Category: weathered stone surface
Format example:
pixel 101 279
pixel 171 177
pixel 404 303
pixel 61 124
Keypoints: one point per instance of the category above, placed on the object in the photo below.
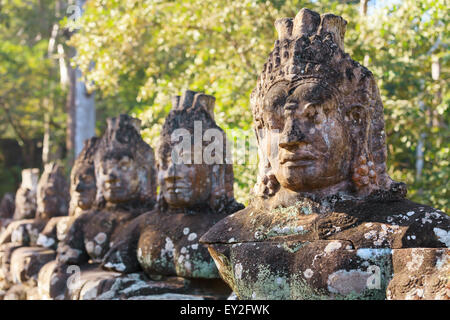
pixel 26 195
pixel 82 196
pixel 123 187
pixel 6 251
pixel 126 187
pixel 304 270
pixel 23 265
pixel 193 197
pixel 44 280
pixel 420 273
pixel 16 292
pixel 7 207
pixel 325 220
pixel 52 201
pixel 27 261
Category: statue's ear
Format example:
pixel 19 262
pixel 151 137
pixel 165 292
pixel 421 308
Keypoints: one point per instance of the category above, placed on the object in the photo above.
pixel 217 176
pixel 364 174
pixel 357 118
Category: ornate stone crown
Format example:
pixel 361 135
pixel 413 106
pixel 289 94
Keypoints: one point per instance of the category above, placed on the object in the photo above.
pixel 122 137
pixel 310 48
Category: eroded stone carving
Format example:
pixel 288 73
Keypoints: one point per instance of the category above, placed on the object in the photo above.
pixel 126 187
pixel 326 220
pixel 20 264
pixel 193 197
pixel 52 201
pixel 26 195
pixel 82 196
pixel 7 207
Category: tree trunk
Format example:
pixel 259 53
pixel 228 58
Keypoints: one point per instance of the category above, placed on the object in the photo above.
pixel 80 111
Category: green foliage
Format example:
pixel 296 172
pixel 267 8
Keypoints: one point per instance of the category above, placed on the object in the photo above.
pixel 145 51
pixel 402 42
pixel 30 81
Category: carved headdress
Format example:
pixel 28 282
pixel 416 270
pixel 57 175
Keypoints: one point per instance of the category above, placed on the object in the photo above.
pixel 84 161
pixel 52 184
pixel 26 195
pixel 187 109
pixel 310 48
pixel 122 137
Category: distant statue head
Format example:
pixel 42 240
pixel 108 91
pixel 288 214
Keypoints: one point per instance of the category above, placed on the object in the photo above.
pixel 191 156
pixel 124 163
pixel 318 114
pixel 82 178
pixel 26 195
pixel 52 192
pixel 7 206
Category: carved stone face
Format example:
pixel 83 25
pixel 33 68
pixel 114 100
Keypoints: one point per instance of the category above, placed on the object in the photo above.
pixel 26 203
pixel 307 143
pixel 49 199
pixel 118 178
pixel 83 187
pixel 184 185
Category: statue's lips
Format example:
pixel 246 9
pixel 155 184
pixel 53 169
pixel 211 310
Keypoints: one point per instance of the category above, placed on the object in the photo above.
pixel 301 158
pixel 175 188
pixel 113 187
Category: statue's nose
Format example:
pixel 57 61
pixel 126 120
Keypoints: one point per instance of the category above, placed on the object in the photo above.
pixel 292 134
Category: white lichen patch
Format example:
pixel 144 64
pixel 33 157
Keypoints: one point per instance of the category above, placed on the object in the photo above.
pixel 332 246
pixel 416 260
pixel 308 273
pixel 54 280
pixel 194 246
pixel 90 246
pixel 168 249
pixel 410 213
pixel 183 250
pixel 45 241
pixel 443 236
pixel 371 234
pixel 192 236
pixel 346 282
pixel 443 261
pixel 238 271
pixel 100 238
pixel 115 266
pixel 373 253
pixel 186 231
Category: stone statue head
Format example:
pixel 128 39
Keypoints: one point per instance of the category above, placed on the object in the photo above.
pixel 7 206
pixel 124 164
pixel 318 114
pixel 52 192
pixel 191 157
pixel 26 195
pixel 83 188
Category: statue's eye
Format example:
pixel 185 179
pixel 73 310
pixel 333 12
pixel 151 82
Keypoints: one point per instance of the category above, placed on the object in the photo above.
pixel 276 96
pixel 274 102
pixel 311 110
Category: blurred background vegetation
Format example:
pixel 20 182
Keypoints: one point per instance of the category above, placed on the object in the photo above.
pixel 145 51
